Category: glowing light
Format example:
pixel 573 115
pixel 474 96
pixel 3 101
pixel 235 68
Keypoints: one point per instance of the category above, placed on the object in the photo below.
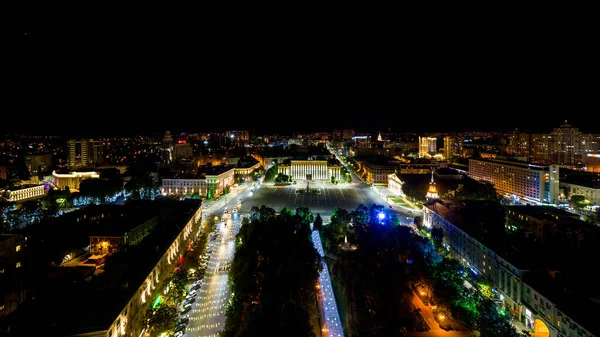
pixel 381 216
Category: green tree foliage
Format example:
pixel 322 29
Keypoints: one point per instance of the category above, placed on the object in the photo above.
pixel 271 173
pixel 179 286
pixel 162 319
pixel 418 222
pixel 578 201
pixel 100 188
pixel 372 279
pixel 471 189
pixel 318 223
pixel 273 276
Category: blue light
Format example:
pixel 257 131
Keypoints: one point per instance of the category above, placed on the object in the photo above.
pixel 381 216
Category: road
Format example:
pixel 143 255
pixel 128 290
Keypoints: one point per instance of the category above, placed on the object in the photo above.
pixel 435 330
pixel 207 316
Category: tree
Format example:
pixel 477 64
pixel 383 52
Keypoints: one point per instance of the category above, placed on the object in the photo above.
pixel 437 234
pixel 578 201
pixel 318 224
pixel 162 319
pixel 419 222
pixel 179 283
pixel 333 179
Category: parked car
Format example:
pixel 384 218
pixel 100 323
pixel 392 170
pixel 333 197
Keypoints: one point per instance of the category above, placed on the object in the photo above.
pixel 186 308
pixel 183 320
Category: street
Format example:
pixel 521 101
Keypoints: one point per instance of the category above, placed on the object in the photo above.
pixel 207 316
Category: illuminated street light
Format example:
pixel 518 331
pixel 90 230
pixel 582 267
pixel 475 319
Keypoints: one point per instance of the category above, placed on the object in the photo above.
pixel 381 215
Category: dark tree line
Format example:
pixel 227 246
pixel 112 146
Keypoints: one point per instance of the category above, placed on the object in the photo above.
pixel 273 276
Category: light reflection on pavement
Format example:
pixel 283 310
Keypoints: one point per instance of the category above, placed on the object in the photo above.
pixel 207 316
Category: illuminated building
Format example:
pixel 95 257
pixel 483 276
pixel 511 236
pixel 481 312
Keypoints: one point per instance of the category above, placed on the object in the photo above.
pixel 38 162
pixel 453 147
pixel 592 162
pixel 27 193
pixel 245 171
pixel 3 172
pixel 182 150
pixel 432 192
pixel 520 278
pixel 84 153
pixel 310 170
pixel 532 183
pixel 427 146
pixel 214 179
pixel 376 174
pixel 395 184
pixel 72 179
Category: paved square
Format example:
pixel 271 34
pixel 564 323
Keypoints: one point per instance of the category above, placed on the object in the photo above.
pixel 331 197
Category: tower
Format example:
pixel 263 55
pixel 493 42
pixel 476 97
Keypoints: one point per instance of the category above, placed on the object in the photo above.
pixel 432 191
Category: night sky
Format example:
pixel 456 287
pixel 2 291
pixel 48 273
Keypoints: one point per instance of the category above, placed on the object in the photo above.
pixel 410 69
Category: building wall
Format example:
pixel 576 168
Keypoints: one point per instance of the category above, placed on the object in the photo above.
pixel 27 193
pixel 38 161
pixel 73 179
pixel 427 146
pixel 375 174
pixel 3 172
pixel 217 183
pixel 590 193
pixel 527 304
pixel 84 153
pixel 13 266
pixel 245 172
pixel 592 162
pixel 176 186
pixel 395 184
pixel 527 181
pixel 131 320
pixel 313 169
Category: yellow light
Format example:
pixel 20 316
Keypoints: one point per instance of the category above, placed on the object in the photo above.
pixel 442 316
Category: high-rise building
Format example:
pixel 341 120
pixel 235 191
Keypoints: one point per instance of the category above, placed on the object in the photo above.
pixel 453 146
pixel 533 183
pixel 541 148
pixel 14 267
pixel 427 146
pixel 566 149
pixel 38 162
pixel 519 144
pixel 182 150
pixel 84 153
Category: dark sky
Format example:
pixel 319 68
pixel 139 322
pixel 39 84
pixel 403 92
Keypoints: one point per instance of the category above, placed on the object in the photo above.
pixel 473 66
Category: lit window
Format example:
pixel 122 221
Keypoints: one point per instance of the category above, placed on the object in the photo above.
pixel 18 248
pixel 18 265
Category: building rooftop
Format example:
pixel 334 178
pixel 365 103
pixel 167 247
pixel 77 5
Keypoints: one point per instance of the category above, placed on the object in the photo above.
pixel 214 170
pixel 75 300
pixel 583 310
pixel 484 221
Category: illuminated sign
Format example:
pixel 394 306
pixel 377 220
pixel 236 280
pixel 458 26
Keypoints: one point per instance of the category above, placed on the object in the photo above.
pixel 181 142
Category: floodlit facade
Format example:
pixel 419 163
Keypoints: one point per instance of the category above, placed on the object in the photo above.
pixel 130 321
pixel 395 184
pixel 26 193
pixel 84 153
pixel 534 183
pixel 216 181
pixel 72 179
pixel 310 170
pixel 427 146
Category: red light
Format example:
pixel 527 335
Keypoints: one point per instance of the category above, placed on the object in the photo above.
pixel 181 142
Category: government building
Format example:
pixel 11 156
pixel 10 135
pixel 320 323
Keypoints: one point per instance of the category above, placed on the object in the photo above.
pixel 311 170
